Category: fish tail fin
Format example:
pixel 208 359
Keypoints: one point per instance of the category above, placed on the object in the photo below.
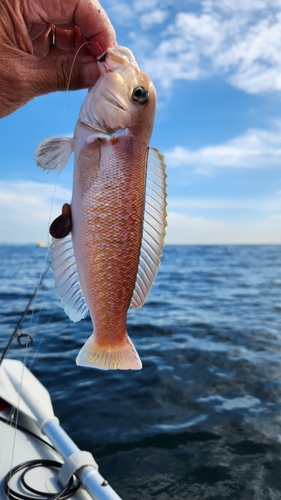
pixel 119 357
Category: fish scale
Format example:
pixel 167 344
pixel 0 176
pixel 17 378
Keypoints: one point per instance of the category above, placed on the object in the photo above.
pixel 116 242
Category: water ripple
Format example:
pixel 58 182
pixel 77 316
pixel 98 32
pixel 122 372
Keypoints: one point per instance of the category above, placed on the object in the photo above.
pixel 202 419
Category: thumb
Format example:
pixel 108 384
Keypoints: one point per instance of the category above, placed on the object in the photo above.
pixel 25 76
pixel 62 72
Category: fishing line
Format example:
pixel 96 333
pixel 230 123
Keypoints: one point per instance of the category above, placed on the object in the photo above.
pixel 51 209
pixel 70 75
pixel 64 119
pixel 43 273
pixel 62 135
pixel 14 415
pixel 28 359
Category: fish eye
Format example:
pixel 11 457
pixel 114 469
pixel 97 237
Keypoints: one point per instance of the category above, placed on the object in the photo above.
pixel 141 95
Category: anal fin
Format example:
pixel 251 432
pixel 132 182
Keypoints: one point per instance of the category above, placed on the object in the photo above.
pixel 66 278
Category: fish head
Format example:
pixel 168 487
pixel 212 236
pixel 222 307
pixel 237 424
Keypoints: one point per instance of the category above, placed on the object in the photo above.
pixel 124 97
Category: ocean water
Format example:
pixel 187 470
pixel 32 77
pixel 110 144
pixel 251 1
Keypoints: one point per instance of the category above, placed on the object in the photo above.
pixel 202 419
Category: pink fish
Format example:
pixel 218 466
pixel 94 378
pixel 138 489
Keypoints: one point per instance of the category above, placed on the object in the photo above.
pixel 118 209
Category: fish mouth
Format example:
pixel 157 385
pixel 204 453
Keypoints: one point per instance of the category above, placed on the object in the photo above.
pixel 102 57
pixel 115 58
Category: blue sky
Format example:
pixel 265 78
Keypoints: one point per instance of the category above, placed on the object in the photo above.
pixel 217 70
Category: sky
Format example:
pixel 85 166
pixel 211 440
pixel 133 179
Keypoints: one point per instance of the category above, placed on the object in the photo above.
pixel 216 66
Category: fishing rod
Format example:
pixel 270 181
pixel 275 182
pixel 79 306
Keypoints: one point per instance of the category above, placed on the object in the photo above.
pixel 77 463
pixel 20 335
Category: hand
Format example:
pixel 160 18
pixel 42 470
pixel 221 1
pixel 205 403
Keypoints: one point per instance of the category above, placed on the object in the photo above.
pixel 31 65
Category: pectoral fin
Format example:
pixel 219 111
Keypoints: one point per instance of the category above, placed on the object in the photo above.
pixel 54 153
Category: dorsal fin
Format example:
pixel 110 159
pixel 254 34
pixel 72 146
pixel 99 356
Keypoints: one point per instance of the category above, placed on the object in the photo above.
pixel 155 222
pixel 66 278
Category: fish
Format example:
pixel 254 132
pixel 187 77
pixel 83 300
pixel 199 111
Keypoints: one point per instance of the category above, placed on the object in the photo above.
pixel 109 260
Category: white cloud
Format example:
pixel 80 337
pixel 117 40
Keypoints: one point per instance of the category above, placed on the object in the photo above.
pixel 238 40
pixel 26 208
pixel 183 229
pixel 158 16
pixel 122 13
pixel 276 216
pixel 255 148
pixel 143 12
pixel 141 6
pixel 240 5
pixel 269 205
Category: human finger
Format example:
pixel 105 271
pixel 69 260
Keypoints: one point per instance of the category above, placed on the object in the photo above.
pixel 94 24
pixel 66 40
pixel 37 76
pixel 69 40
pixel 60 71
pixel 88 15
pixel 42 43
